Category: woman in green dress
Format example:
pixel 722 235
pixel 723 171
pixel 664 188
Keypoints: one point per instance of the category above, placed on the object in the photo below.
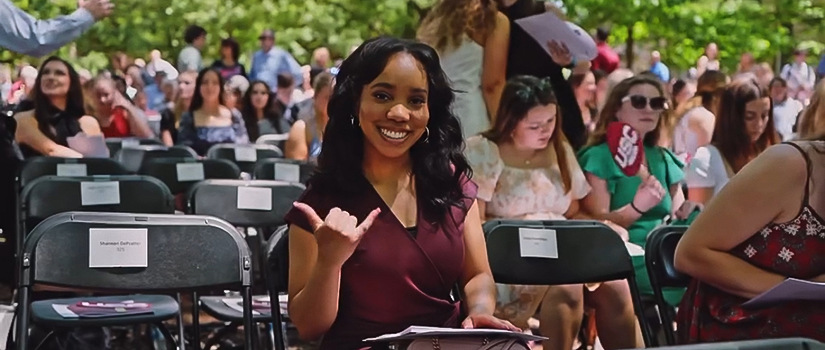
pixel 642 201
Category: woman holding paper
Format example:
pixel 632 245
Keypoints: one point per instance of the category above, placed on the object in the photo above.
pixel 643 189
pixel 526 169
pixel 58 113
pixel 208 121
pixel 744 129
pixel 765 226
pixel 389 226
pixel 471 37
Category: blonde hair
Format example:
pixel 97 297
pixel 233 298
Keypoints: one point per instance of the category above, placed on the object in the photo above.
pixel 448 21
pixel 812 121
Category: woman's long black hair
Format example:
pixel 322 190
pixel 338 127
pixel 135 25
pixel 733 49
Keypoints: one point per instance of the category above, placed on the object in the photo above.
pixel 197 98
pixel 271 112
pixel 52 122
pixel 437 163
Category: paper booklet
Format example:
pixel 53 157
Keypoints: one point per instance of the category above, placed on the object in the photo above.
pixel 413 332
pixel 791 289
pixel 89 146
pixel 547 26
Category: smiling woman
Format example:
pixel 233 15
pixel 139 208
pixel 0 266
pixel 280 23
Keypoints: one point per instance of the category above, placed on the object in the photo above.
pixel 58 112
pixel 391 159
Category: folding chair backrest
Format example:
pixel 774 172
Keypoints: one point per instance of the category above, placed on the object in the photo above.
pixel 243 155
pixel 659 251
pixel 587 251
pixel 116 143
pixel 50 195
pixel 248 203
pixel 179 174
pixel 277 140
pixel 277 261
pixel 282 169
pixel 36 167
pixel 132 158
pixel 182 252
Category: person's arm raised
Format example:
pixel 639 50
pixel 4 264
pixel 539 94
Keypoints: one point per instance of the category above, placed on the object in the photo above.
pixel 315 261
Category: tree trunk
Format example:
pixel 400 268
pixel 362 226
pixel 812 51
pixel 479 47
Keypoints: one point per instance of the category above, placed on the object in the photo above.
pixel 630 43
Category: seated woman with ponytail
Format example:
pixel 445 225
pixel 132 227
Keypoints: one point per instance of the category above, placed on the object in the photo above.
pixel 58 113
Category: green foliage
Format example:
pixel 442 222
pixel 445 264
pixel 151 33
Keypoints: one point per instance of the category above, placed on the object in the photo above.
pixel 138 26
pixel 679 29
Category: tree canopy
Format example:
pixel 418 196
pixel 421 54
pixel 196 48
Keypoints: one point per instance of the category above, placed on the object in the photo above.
pixel 679 29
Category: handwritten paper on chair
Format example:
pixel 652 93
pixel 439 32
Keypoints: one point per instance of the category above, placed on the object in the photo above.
pixel 99 192
pixel 791 289
pixel 538 243
pixel 118 247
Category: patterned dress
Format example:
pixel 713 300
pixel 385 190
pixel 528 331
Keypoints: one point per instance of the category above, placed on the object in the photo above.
pixel 794 249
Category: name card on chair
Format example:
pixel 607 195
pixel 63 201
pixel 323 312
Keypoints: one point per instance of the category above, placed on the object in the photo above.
pixel 246 154
pixel 71 170
pixel 538 243
pixel 99 192
pixel 190 172
pixel 287 172
pixel 118 247
pixel 129 143
pixel 255 198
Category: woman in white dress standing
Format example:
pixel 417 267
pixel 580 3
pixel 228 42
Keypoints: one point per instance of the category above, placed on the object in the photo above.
pixel 472 38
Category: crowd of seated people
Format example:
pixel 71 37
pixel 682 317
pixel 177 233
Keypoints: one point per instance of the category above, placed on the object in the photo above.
pixel 394 170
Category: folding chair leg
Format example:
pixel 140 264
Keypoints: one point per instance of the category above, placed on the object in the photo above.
pixel 248 324
pixel 170 340
pixel 23 319
pixel 46 339
pixel 181 330
pixel 640 314
pixel 277 323
pixel 196 325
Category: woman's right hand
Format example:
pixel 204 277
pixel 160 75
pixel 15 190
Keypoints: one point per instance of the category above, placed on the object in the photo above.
pixel 649 194
pixel 337 235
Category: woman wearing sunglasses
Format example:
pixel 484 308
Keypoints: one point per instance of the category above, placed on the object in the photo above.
pixel 526 170
pixel 744 129
pixel 641 201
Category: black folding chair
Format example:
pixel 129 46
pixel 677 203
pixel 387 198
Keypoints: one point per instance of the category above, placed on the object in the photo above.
pixel 226 199
pixel 179 174
pixel 116 143
pixel 180 254
pixel 659 251
pixel 587 252
pixel 277 281
pixel 132 158
pixel 50 195
pixel 244 156
pixel 41 166
pixel 761 344
pixel 282 169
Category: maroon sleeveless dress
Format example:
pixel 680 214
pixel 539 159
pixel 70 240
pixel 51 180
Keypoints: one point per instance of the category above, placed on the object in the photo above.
pixel 794 249
pixel 393 280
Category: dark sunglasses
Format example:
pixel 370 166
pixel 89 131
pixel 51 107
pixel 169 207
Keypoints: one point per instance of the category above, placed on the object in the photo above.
pixel 527 92
pixel 639 102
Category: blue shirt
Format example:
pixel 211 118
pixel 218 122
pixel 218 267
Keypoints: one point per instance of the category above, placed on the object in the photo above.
pixel 267 65
pixel 660 70
pixel 22 33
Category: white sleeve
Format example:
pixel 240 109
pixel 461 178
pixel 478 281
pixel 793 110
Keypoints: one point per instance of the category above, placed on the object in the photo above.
pixel 699 173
